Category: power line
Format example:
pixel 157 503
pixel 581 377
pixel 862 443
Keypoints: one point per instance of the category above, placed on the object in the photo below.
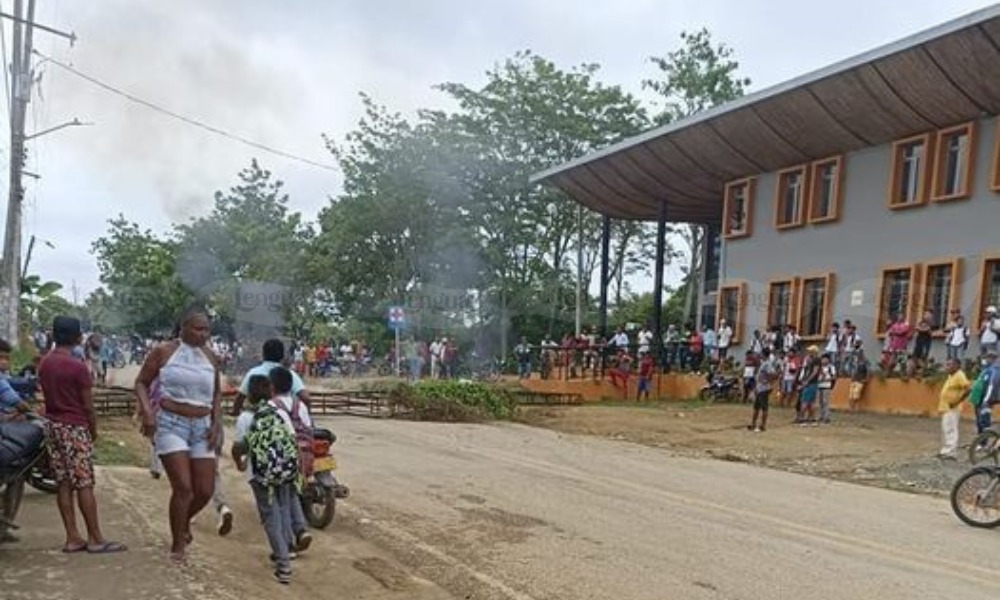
pixel 185 119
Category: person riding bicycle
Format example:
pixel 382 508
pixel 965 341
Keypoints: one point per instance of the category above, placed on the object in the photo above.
pixel 988 392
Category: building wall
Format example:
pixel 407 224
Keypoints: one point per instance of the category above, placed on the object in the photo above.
pixel 868 237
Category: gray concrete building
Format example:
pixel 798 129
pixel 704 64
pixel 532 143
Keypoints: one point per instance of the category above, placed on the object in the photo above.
pixel 866 189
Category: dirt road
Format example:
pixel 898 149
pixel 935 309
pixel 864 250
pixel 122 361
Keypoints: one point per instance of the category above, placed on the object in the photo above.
pixel 507 511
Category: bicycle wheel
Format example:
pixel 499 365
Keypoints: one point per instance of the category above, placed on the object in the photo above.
pixel 975 498
pixel 985 447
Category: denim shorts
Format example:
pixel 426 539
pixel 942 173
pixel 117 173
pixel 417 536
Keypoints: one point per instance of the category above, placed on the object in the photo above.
pixel 175 433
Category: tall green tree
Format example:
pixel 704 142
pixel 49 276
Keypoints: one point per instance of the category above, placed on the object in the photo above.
pixel 695 77
pixel 141 287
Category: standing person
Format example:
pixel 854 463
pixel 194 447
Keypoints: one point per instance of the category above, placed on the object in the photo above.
pixel 791 340
pixel 725 339
pixel 449 356
pixel 809 375
pixel 767 374
pixel 435 352
pixel 984 390
pixel 72 429
pixel 898 339
pixel 411 353
pixel 266 437
pixel 989 331
pixel 696 351
pixel 824 385
pixel 924 338
pixel 789 379
pixel 523 354
pixel 956 339
pixel 188 425
pixel 711 343
pixel 672 341
pixel 955 390
pixel 850 343
pixel 749 375
pixel 835 345
pixel 757 343
pixel 645 341
pixel 646 366
pixel 859 376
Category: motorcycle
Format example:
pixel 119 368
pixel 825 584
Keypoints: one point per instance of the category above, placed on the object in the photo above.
pixel 321 491
pixel 22 446
pixel 40 475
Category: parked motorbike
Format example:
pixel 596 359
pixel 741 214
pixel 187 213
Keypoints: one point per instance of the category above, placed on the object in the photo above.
pixel 22 446
pixel 320 494
pixel 720 388
pixel 40 475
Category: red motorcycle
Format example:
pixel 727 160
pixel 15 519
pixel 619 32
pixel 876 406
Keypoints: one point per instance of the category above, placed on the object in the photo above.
pixel 320 494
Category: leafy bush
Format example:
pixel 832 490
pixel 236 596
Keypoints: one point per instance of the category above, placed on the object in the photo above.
pixel 445 400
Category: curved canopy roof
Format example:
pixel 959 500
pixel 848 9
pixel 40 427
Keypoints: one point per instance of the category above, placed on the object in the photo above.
pixel 939 77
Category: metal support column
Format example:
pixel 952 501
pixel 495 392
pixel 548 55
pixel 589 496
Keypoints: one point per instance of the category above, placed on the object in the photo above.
pixel 661 246
pixel 602 318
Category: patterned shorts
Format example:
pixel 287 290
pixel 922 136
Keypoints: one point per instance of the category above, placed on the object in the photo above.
pixel 71 454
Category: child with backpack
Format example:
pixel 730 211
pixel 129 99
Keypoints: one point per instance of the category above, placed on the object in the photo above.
pixel 297 413
pixel 264 447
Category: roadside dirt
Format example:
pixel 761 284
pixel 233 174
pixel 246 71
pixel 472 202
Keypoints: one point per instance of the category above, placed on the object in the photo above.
pixel 888 451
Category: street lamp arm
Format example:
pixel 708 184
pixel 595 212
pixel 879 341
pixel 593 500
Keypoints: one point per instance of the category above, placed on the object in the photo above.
pixel 73 123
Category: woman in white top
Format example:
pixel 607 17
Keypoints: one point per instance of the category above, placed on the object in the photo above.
pixel 187 427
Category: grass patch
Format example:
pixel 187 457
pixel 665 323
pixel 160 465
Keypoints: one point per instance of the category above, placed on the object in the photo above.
pixel 119 444
pixel 452 401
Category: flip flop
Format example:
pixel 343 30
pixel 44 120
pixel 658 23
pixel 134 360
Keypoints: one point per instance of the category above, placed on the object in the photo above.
pixel 67 549
pixel 107 548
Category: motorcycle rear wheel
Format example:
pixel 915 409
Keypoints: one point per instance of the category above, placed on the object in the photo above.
pixel 319 504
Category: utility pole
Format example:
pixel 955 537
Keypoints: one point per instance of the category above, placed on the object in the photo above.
pixel 21 82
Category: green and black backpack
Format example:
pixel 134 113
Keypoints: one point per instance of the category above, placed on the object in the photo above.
pixel 274 455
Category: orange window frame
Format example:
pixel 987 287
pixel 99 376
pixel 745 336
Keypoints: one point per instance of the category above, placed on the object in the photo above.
pixel 940 151
pixel 881 320
pixel 749 191
pixel 793 301
pixel 815 188
pixel 779 197
pixel 740 288
pixel 983 301
pixel 896 171
pixel 828 293
pixel 953 296
pixel 995 175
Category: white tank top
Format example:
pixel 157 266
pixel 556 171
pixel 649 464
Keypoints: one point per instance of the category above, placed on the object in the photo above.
pixel 188 377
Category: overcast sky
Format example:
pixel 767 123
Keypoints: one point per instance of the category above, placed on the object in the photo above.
pixel 284 72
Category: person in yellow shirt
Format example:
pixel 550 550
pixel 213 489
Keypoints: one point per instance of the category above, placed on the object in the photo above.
pixel 310 356
pixel 953 393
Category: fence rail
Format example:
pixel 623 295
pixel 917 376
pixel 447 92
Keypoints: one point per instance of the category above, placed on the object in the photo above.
pixel 120 401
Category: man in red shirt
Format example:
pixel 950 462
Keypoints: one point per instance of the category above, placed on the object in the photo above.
pixel 72 428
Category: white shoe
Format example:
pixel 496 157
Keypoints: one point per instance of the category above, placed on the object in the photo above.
pixel 225 521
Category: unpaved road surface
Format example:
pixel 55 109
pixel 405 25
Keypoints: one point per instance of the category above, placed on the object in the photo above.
pixel 508 511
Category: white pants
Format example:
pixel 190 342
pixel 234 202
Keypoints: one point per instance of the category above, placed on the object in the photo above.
pixel 949 432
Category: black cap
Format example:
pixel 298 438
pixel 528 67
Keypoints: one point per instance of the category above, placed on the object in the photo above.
pixel 66 326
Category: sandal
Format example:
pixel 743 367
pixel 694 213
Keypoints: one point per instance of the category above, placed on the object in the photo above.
pixel 67 549
pixel 107 548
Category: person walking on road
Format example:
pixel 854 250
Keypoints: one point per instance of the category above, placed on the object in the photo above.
pixel 188 425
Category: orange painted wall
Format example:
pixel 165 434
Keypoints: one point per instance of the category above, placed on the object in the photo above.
pixel 891 396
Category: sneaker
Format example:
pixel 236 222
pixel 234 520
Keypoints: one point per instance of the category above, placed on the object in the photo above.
pixel 302 541
pixel 757 430
pixel 762 428
pixel 225 520
pixel 284 576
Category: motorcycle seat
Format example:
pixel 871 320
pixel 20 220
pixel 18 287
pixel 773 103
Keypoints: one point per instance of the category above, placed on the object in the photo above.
pixel 20 442
pixel 324 434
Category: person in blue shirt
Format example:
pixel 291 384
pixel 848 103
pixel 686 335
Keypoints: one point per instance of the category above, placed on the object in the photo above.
pixel 273 354
pixel 12 406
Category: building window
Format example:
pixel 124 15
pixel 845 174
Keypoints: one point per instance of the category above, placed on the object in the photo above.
pixel 908 183
pixel 738 210
pixel 940 290
pixel 953 163
pixel 731 301
pixel 895 296
pixel 816 306
pixel 790 198
pixel 989 294
pixel 824 190
pixel 780 302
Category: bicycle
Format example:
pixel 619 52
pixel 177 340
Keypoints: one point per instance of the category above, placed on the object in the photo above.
pixel 975 497
pixel 986 446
